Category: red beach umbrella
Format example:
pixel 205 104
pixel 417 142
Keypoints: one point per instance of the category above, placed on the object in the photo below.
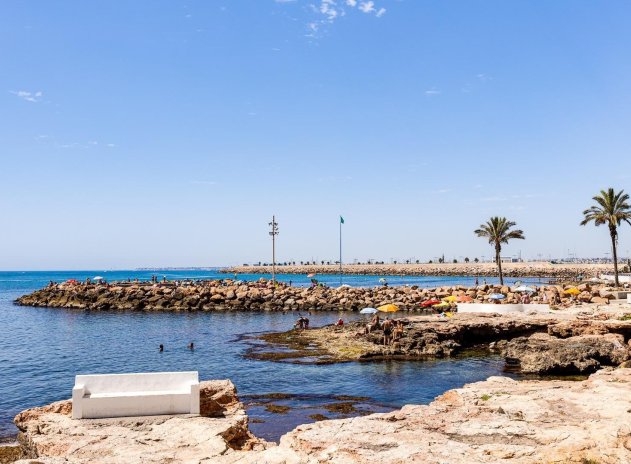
pixel 428 303
pixel 464 299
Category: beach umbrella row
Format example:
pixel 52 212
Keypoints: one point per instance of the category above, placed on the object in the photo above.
pixel 387 308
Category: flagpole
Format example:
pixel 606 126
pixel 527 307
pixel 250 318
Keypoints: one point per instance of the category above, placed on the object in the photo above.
pixel 340 250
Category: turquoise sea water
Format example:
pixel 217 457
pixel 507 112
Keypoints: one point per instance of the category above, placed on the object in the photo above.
pixel 42 349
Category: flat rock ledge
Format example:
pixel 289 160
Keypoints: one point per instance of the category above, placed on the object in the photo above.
pixel 499 420
pixel 49 434
pixel 564 343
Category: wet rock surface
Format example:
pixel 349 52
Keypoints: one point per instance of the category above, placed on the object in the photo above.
pixel 559 344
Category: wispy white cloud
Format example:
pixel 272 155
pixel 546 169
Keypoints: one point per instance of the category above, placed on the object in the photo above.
pixel 432 92
pixel 329 11
pixel 367 7
pixel 91 144
pixel 32 97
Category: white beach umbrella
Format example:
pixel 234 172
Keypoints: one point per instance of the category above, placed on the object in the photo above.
pixel 523 288
pixel 368 311
pixel 97 278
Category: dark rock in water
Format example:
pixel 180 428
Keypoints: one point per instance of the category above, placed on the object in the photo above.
pixel 543 354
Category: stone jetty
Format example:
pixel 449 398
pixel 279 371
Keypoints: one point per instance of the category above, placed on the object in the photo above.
pixel 264 295
pixel 538 269
pixel 497 420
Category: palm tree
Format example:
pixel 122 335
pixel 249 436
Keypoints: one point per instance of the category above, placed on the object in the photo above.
pixel 497 230
pixel 611 208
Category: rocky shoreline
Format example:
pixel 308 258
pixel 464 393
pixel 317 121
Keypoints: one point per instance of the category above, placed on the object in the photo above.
pixel 265 295
pixel 497 420
pixel 569 343
pixel 471 269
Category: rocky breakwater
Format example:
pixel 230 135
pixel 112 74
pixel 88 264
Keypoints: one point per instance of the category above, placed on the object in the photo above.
pixel 471 269
pixel 263 295
pixel 49 435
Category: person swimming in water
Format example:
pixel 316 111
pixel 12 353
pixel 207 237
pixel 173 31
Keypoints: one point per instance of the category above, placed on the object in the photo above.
pixel 191 346
pixel 161 347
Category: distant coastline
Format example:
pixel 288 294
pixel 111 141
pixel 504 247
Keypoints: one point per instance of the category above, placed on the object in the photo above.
pixel 523 269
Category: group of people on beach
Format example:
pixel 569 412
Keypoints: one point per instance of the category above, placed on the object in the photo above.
pixel 392 330
pixel 302 323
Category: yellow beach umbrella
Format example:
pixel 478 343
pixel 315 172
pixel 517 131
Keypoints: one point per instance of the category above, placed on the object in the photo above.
pixel 388 308
pixel 572 291
pixel 450 298
pixel 444 304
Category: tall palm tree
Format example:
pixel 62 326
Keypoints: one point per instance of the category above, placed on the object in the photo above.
pixel 497 231
pixel 611 208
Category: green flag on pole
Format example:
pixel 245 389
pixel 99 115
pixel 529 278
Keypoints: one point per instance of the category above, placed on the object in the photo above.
pixel 341 220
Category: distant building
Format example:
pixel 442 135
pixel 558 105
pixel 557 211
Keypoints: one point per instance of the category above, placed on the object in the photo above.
pixel 508 259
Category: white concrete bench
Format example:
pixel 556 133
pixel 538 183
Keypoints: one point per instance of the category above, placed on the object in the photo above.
pixel 146 394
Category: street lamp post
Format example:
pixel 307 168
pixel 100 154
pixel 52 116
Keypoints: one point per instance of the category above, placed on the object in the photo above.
pixel 273 233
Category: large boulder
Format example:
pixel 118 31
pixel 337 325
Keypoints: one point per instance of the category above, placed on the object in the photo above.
pixel 217 398
pixel 544 354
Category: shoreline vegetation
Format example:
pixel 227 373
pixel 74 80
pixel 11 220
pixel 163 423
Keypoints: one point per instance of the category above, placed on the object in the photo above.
pixel 539 269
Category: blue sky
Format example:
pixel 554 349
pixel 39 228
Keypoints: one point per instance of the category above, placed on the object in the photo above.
pixel 166 133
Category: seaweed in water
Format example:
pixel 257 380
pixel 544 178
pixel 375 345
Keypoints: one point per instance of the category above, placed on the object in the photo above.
pixel 277 408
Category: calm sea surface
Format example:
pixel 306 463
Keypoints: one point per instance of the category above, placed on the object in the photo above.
pixel 42 349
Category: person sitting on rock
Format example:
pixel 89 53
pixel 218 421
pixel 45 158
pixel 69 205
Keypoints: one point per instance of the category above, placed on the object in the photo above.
pixel 339 322
pixel 373 324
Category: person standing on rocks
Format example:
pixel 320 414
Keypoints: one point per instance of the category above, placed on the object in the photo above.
pixel 387 331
